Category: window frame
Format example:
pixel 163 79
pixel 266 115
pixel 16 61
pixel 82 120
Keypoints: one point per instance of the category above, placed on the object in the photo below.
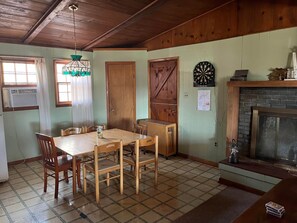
pixel 4 59
pixel 58 103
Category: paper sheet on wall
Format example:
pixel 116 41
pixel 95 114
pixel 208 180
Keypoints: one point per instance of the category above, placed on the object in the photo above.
pixel 203 100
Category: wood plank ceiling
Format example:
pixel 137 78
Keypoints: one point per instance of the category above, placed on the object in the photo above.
pixel 99 23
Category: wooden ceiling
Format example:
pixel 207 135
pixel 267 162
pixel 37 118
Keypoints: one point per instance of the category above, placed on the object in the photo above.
pixel 99 23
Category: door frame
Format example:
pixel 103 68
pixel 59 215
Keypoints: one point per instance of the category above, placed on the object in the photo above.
pixel 177 84
pixel 107 86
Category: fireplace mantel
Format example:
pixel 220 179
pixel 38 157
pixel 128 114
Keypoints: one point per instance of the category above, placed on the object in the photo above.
pixel 236 84
pixel 233 102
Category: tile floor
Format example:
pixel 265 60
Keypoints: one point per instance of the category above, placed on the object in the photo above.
pixel 183 184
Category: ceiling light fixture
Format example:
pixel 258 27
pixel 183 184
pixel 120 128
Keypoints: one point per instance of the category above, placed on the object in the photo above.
pixel 76 68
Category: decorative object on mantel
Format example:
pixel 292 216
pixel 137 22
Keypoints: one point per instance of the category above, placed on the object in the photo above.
pixel 292 71
pixel 204 75
pixel 233 158
pixel 76 67
pixel 277 74
pixel 240 75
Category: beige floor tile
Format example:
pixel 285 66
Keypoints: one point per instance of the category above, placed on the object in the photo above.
pixel 53 220
pixel 70 216
pixel 63 208
pixel 124 216
pixel 163 197
pixel 113 209
pixel 195 192
pixel 4 219
pixel 98 216
pixel 7 194
pixel 127 202
pixel 175 203
pixel 151 203
pixel 45 215
pixel 88 208
pixel 15 207
pixel 182 185
pixel 22 216
pixel 24 190
pixel 2 212
pixel 173 216
pixel 28 195
pixel 11 200
pixel 163 209
pixel 203 187
pixel 138 209
pixel 151 216
pixel 108 220
pixel 33 201
pixel 186 208
pixel 4 188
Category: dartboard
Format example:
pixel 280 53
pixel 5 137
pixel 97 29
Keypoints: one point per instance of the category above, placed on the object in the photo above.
pixel 204 74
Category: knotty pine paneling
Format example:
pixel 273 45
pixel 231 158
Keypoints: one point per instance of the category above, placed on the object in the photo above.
pixel 239 17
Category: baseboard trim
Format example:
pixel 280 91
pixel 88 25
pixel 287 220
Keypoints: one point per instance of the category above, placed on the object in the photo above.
pixel 24 161
pixel 211 163
pixel 240 186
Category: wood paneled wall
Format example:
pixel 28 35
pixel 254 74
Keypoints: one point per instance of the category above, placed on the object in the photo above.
pixel 236 18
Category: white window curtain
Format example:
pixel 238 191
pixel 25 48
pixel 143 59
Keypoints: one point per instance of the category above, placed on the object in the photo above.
pixel 82 101
pixel 43 96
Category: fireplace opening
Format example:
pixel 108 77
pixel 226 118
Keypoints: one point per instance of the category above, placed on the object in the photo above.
pixel 274 136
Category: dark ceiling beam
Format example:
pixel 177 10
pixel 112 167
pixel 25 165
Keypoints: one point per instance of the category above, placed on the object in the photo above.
pixel 46 18
pixel 142 12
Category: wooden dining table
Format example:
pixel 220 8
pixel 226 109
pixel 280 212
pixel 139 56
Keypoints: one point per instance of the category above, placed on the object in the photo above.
pixel 83 144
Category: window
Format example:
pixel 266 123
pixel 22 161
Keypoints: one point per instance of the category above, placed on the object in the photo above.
pixel 19 73
pixel 63 84
pixel 18 83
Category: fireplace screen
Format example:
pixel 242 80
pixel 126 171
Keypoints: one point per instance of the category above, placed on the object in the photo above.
pixel 274 135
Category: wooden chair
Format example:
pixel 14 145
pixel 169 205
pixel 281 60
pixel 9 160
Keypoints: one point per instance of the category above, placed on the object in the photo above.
pixel 141 161
pixel 105 165
pixel 70 131
pixel 137 128
pixel 55 163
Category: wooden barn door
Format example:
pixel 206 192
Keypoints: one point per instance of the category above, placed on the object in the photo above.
pixel 121 91
pixel 163 90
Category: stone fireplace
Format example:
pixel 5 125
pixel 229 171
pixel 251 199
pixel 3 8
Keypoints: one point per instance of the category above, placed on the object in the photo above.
pixel 273 136
pixel 262 117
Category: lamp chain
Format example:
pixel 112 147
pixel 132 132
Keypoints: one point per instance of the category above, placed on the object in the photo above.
pixel 74 29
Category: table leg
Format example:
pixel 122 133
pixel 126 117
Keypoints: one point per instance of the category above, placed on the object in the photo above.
pixel 74 175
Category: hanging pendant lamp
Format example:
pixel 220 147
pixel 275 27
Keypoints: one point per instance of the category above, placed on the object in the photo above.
pixel 75 67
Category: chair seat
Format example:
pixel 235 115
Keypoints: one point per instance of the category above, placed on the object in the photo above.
pixel 142 159
pixel 103 165
pixel 64 162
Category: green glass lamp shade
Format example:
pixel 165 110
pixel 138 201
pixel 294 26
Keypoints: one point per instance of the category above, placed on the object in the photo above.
pixel 76 68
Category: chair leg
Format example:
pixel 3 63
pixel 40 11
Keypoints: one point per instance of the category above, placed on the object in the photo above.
pixel 97 187
pixel 56 184
pixel 78 176
pixel 107 179
pixel 66 176
pixel 85 179
pixel 45 179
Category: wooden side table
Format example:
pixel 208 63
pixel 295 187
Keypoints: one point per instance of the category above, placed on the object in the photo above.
pixel 166 132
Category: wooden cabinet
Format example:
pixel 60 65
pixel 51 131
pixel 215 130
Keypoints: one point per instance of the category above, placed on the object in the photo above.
pixel 166 132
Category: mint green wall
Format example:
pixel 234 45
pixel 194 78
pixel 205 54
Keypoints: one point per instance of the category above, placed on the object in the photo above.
pixel 99 59
pixel 20 126
pixel 199 130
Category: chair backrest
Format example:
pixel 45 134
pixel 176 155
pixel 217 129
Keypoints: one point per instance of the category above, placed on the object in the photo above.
pixel 140 129
pixel 151 142
pixel 48 149
pixel 110 148
pixel 70 131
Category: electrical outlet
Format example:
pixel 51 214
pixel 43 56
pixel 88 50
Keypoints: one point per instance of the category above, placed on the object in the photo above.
pixel 215 144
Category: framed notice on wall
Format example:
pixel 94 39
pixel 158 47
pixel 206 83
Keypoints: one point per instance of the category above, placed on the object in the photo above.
pixel 203 100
